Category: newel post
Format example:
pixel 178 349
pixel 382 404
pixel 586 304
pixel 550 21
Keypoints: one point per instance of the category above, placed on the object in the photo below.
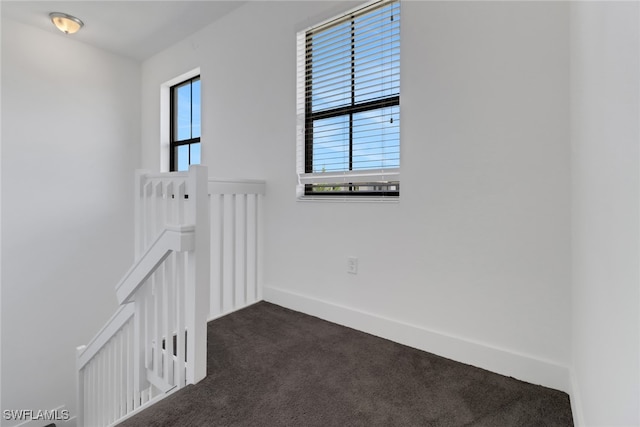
pixel 198 278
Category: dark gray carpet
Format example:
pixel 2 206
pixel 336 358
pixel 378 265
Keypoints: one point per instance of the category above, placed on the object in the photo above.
pixel 270 366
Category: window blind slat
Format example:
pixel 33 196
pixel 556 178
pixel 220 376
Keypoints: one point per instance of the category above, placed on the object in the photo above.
pixel 330 47
pixel 342 72
pixel 340 47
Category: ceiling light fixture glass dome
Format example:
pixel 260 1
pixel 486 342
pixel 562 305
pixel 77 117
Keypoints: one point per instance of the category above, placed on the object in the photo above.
pixel 66 23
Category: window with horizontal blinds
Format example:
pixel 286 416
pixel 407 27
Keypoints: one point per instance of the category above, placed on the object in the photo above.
pixel 349 104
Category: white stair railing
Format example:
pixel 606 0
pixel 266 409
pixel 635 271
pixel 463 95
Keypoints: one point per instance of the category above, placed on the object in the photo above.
pixel 105 372
pixel 156 341
pixel 236 241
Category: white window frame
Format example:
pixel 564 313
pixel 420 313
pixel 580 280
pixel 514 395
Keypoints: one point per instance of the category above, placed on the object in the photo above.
pixel 346 177
pixel 165 119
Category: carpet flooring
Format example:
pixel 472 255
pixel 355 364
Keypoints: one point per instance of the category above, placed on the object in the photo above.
pixel 270 366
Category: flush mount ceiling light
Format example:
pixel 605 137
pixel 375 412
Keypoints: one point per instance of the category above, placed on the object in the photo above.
pixel 66 23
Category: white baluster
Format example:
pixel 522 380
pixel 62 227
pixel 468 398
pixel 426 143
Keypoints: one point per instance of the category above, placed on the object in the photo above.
pixel 259 240
pixel 241 212
pixel 217 242
pixel 180 317
pixel 169 318
pixel 251 248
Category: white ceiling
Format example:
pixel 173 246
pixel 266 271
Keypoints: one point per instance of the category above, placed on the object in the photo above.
pixel 136 29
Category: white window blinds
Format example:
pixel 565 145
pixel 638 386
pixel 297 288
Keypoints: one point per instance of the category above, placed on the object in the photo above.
pixel 348 104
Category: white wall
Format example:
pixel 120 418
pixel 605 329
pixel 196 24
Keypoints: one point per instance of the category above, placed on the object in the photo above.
pixel 70 143
pixel 476 254
pixel 605 77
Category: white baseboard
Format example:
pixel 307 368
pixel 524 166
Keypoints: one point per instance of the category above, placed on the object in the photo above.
pixel 505 362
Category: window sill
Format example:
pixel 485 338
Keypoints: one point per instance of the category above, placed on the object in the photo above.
pixel 348 199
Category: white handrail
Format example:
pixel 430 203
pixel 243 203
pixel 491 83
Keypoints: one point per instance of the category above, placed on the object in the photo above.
pixel 172 238
pixel 236 186
pixel 86 353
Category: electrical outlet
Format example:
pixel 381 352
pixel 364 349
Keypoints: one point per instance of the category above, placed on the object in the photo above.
pixel 352 265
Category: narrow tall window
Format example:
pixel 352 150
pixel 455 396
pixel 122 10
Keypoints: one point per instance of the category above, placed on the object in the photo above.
pixel 185 124
pixel 349 104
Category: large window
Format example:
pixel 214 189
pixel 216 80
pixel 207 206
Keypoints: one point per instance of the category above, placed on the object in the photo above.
pixel 349 104
pixel 185 124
